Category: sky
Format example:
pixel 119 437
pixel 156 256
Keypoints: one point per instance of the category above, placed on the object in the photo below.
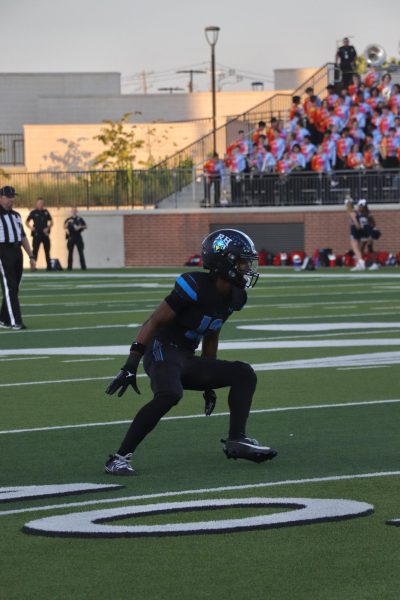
pixel 148 41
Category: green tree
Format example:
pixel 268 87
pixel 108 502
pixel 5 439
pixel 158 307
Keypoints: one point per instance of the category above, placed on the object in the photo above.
pixel 120 143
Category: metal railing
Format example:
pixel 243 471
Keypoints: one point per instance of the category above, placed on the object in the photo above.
pixel 97 189
pixel 302 188
pixel 142 189
pixel 12 149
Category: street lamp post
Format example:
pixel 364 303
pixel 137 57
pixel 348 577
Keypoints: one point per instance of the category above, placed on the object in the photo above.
pixel 212 38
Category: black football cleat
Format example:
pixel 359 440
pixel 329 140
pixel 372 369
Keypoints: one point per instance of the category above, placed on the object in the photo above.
pixel 249 449
pixel 119 465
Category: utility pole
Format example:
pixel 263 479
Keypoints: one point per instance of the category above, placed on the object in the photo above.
pixel 144 81
pixel 191 72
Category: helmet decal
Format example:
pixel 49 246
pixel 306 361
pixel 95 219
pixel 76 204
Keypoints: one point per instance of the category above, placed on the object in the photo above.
pixel 221 243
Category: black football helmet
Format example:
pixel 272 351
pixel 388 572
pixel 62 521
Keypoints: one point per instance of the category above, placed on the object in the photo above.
pixel 231 254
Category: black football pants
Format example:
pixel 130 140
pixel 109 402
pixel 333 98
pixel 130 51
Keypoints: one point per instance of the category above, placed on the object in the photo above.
pixel 172 370
pixel 10 278
pixel 80 246
pixel 38 239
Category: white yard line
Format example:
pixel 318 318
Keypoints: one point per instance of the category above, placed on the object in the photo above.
pixel 79 360
pixel 201 415
pixel 198 491
pixel 321 326
pixel 26 358
pixel 346 360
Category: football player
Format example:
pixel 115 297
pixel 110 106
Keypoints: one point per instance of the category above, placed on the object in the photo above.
pixel 194 312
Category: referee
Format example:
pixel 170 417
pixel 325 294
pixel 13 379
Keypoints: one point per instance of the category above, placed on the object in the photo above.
pixel 12 237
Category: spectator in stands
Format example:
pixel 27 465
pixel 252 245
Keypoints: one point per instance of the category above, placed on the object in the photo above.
pixel 273 130
pixel 260 131
pixel 356 132
pixel 238 166
pixel 308 150
pixel 331 97
pixel 329 148
pixel 343 147
pixel 355 159
pixel 213 174
pixel 284 164
pixel 388 149
pixel 311 119
pixel 269 162
pixel 342 111
pixel 374 100
pixel 300 133
pixel 277 146
pixel 386 119
pixel 354 86
pixel 360 115
pixel 371 77
pixel 385 87
pixel 320 162
pixel 322 117
pixel 370 157
pixel 296 159
pixel 296 108
pixel 346 56
pixel 394 100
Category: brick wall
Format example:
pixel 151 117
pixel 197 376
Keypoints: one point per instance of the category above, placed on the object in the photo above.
pixel 169 238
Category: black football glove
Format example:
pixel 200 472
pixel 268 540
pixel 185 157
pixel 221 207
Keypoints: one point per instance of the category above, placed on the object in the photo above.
pixel 126 376
pixel 210 398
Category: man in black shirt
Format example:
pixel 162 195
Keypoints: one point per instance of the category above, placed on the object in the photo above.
pixel 346 60
pixel 40 228
pixel 195 311
pixel 12 237
pixel 74 226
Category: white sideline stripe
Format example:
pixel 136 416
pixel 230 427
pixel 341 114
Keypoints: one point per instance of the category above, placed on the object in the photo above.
pixel 375 358
pixel 265 274
pixel 78 314
pixel 201 415
pixel 330 316
pixel 321 326
pixel 27 358
pixel 54 276
pixel 121 285
pixel 225 488
pixel 77 380
pixel 79 360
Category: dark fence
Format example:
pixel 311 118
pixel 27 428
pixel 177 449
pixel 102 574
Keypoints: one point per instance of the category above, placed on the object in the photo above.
pixel 137 189
pixel 12 149
pixel 97 189
pixel 303 189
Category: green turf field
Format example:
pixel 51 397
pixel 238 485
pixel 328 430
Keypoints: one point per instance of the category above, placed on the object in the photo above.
pixel 326 348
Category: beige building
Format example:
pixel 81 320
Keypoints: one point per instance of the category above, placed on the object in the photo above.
pixel 59 115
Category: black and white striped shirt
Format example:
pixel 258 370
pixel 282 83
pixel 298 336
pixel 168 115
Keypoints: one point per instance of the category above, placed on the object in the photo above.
pixel 11 228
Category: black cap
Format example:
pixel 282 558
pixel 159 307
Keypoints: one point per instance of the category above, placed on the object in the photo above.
pixel 8 191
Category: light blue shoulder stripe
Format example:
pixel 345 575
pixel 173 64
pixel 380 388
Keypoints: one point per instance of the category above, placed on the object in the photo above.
pixel 187 288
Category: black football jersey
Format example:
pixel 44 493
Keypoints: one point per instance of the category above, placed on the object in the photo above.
pixel 199 308
pixel 40 219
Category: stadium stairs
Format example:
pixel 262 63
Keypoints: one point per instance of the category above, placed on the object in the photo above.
pixel 194 156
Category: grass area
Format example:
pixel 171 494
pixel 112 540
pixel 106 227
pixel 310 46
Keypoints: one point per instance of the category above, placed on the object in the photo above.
pixel 335 426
